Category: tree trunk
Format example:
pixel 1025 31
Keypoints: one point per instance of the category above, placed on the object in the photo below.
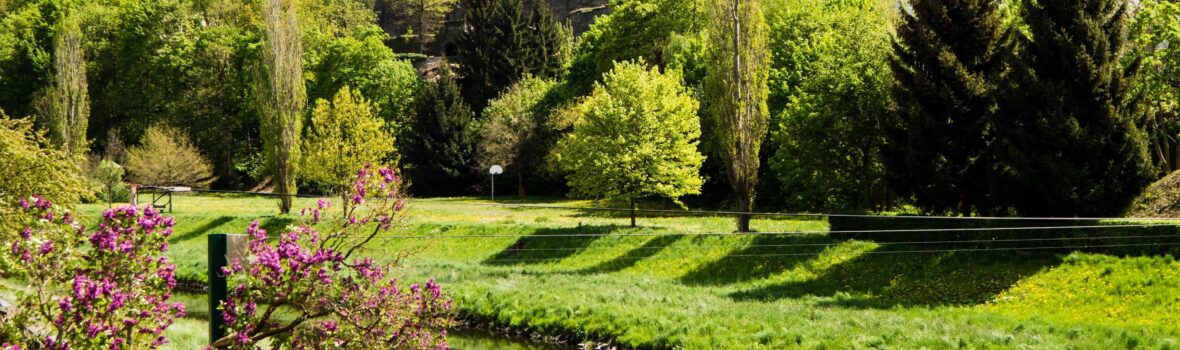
pixel 520 184
pixel 744 217
pixel 633 211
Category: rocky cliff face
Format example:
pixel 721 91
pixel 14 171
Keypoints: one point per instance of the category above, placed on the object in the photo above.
pixel 578 13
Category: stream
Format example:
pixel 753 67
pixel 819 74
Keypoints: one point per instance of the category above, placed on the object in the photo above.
pixel 477 339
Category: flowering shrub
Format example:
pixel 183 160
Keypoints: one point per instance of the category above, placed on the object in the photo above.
pixel 106 289
pixel 328 298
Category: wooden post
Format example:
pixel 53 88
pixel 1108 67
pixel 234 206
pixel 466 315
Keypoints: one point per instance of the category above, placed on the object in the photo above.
pixel 223 248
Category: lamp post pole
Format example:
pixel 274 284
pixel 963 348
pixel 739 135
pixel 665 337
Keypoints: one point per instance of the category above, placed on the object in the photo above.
pixel 493 171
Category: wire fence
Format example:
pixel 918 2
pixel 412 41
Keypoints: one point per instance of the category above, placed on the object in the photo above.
pixel 780 233
pixel 872 252
pixel 970 245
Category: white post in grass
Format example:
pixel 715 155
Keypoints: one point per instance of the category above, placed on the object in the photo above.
pixel 493 171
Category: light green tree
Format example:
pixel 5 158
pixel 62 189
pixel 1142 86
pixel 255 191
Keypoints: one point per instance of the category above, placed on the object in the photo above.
pixel 735 86
pixel 637 137
pixel 343 136
pixel 282 95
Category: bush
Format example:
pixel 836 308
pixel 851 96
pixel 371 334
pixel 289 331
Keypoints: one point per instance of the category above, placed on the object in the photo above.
pixel 109 288
pixel 335 299
pixel 30 167
pixel 167 158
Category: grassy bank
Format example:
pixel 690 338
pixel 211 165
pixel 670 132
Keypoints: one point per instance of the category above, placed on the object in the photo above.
pixel 643 288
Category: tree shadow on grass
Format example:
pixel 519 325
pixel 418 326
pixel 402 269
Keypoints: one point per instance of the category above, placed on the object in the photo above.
pixel 202 230
pixel 273 225
pixel 879 279
pixel 537 249
pixel 651 248
pixel 752 262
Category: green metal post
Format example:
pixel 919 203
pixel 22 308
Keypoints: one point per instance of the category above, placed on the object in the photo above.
pixel 218 245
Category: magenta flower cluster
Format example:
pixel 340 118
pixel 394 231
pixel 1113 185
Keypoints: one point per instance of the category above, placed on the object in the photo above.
pixel 105 289
pixel 340 301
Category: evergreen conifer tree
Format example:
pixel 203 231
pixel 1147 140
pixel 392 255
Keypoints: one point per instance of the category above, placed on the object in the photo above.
pixel 1069 144
pixel 439 151
pixel 947 61
pixel 503 42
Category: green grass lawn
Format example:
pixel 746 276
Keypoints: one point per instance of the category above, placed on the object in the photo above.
pixel 639 287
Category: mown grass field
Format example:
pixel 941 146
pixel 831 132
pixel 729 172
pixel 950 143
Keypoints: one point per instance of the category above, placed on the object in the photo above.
pixel 641 288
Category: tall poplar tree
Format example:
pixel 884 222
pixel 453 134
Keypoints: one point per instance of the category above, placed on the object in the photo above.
pixel 948 57
pixel 1070 144
pixel 735 87
pixel 281 95
pixel 66 104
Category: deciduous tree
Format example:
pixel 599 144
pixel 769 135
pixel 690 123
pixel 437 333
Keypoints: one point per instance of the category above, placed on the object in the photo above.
pixel 66 104
pixel 827 138
pixel 637 137
pixel 1154 36
pixel 33 166
pixel 110 175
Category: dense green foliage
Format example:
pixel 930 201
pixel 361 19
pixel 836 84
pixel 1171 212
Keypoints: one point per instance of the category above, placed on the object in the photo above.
pixel 947 62
pixel 281 95
pixel 829 144
pixel 634 29
pixel 439 155
pixel 419 20
pixel 361 61
pixel 826 140
pixel 637 138
pixel 1069 142
pixel 65 106
pixel 110 175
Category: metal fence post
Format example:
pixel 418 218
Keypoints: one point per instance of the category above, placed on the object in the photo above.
pixel 217 287
pixel 223 248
